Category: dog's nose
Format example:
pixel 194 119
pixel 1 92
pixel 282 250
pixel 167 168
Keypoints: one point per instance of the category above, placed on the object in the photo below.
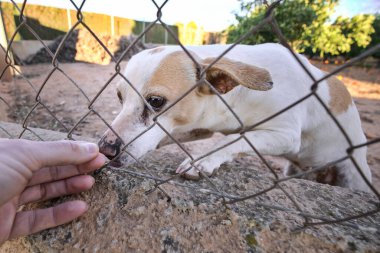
pixel 110 147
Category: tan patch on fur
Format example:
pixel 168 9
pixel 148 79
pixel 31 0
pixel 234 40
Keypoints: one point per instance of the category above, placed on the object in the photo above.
pixel 226 74
pixel 340 98
pixel 204 90
pixel 181 121
pixel 174 76
pixel 175 73
pixel 156 50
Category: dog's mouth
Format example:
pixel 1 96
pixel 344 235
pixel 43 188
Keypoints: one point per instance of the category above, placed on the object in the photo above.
pixel 120 161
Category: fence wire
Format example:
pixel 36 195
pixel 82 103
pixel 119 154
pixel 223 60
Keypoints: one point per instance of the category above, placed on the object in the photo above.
pixel 276 182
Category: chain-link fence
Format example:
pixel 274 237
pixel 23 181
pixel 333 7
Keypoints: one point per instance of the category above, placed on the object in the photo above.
pixel 268 20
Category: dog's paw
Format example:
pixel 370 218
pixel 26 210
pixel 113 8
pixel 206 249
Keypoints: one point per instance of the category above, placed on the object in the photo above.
pixel 208 166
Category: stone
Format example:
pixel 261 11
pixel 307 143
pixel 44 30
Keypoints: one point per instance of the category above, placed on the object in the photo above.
pixel 81 46
pixel 128 214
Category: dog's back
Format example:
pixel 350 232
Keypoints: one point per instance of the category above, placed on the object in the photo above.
pixel 322 141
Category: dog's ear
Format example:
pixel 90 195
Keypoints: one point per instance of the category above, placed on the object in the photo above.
pixel 226 74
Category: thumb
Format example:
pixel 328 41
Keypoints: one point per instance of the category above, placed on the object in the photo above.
pixel 52 153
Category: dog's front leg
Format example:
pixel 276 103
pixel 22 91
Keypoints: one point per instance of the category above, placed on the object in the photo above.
pixel 266 142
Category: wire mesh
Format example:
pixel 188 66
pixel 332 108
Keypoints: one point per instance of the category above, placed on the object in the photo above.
pixel 276 181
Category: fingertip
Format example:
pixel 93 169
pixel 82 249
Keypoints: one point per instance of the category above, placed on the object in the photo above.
pixel 52 153
pixel 88 181
pixel 98 161
pixel 94 164
pixel 92 148
pixel 101 159
pixel 89 147
pixel 77 206
pixel 91 181
pixel 82 182
pixel 41 219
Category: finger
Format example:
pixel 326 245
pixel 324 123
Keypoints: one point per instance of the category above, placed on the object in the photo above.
pixel 56 189
pixel 55 173
pixel 7 215
pixel 53 153
pixel 30 222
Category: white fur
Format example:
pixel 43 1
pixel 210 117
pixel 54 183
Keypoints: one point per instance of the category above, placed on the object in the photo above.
pixel 305 134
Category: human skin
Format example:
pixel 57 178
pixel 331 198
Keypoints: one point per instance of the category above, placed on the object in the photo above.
pixel 33 171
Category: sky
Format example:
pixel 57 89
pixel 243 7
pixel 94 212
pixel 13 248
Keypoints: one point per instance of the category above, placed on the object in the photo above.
pixel 350 8
pixel 213 15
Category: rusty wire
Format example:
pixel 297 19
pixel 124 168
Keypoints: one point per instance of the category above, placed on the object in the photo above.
pixel 268 20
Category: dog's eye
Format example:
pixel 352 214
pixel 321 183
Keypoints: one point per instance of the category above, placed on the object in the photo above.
pixel 120 97
pixel 156 102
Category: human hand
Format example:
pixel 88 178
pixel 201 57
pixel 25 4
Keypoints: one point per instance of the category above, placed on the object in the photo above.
pixel 36 171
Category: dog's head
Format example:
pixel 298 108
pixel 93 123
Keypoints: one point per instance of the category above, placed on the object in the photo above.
pixel 161 76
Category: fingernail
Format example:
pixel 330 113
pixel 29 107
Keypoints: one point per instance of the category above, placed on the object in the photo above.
pixel 105 158
pixel 92 181
pixel 83 205
pixel 77 205
pixel 92 148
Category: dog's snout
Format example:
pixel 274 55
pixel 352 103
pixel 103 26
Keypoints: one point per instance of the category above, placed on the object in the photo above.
pixel 110 147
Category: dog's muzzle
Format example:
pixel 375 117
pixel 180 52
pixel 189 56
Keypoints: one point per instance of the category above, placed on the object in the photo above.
pixel 110 147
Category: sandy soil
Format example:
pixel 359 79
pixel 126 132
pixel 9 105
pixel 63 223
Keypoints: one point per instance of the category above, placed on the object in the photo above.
pixel 66 101
pixel 63 98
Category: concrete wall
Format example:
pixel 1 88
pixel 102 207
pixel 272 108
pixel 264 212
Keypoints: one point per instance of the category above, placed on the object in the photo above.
pixel 24 48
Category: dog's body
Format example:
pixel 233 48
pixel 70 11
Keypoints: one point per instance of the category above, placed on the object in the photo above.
pixel 305 134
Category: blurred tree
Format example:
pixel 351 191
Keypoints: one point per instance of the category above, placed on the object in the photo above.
pixel 362 39
pixel 306 26
pixel 375 38
pixel 190 33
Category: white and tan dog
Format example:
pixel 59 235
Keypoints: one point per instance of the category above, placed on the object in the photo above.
pixel 256 81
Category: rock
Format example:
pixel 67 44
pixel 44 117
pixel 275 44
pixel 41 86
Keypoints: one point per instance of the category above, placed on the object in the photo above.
pixel 12 131
pixel 7 76
pixel 125 215
pixel 81 46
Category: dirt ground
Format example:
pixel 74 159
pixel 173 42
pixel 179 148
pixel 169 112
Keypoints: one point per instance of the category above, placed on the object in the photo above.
pixel 65 100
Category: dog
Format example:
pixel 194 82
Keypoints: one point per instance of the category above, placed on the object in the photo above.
pixel 256 82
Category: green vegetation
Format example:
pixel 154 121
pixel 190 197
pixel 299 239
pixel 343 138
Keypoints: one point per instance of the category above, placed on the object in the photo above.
pixel 374 40
pixel 251 240
pixel 307 27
